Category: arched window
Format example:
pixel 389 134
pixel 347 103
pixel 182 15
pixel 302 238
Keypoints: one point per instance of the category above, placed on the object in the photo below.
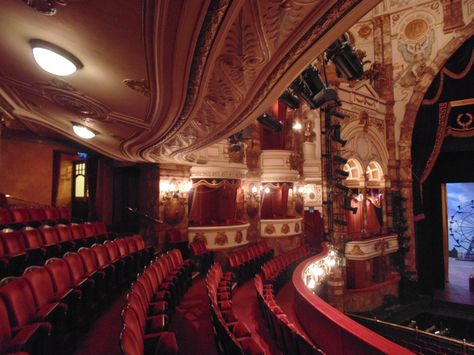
pixel 374 172
pixel 354 169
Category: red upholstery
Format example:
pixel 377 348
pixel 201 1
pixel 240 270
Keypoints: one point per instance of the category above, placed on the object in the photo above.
pixel 12 251
pixel 37 214
pixel 64 213
pixel 52 213
pixel 5 216
pixel 20 215
pixel 50 236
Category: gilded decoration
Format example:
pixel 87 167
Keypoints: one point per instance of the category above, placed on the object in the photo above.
pixel 365 31
pixel 309 134
pixel 285 228
pixel 139 85
pixel 269 229
pixel 174 211
pixel 239 237
pixel 356 250
pixel 200 237
pixel 221 238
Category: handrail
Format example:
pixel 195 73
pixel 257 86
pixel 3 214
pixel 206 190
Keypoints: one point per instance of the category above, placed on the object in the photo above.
pixel 416 331
pixel 331 330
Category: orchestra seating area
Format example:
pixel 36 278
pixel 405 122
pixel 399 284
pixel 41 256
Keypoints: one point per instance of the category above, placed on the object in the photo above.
pixel 246 262
pixel 42 311
pixel 150 304
pixel 275 274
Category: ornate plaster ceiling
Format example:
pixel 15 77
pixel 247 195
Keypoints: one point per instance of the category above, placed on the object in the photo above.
pixel 161 79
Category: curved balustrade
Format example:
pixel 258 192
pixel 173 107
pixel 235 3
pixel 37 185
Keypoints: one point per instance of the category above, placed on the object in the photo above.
pixel 331 330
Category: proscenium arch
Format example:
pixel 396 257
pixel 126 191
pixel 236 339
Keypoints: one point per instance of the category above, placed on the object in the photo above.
pixel 406 132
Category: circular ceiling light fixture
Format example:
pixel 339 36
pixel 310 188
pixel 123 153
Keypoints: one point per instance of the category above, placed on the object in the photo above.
pixel 83 131
pixel 54 59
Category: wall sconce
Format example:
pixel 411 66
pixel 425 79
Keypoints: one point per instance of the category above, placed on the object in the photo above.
pixel 174 195
pixel 253 199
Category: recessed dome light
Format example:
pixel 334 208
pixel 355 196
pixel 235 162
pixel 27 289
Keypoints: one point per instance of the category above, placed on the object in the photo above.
pixel 54 59
pixel 83 131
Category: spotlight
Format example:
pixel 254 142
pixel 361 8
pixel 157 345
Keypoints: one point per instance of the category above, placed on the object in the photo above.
pixel 83 131
pixel 338 114
pixel 339 159
pixel 342 187
pixel 270 122
pixel 341 173
pixel 336 134
pixel 349 208
pixel 327 97
pixel 303 91
pixel 54 59
pixel 313 80
pixel 345 58
pixel 289 99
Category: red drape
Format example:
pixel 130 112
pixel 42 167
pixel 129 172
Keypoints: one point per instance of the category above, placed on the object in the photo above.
pixel 355 221
pixel 374 225
pixel 270 139
pixel 275 202
pixel 213 205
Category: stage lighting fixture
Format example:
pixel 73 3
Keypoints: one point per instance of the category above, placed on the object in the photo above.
pixel 338 114
pixel 341 187
pixel 349 208
pixel 342 173
pixel 345 58
pixel 313 80
pixel 339 159
pixel 300 88
pixel 289 99
pixel 336 134
pixel 327 97
pixel 270 122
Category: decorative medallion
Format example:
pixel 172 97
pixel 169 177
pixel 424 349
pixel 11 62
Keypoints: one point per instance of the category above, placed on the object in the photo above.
pixel 356 250
pixel 139 85
pixel 285 228
pixel 46 7
pixel 221 238
pixel 464 120
pixel 174 211
pixel 239 237
pixel 297 228
pixel 269 229
pixel 365 31
pixel 200 237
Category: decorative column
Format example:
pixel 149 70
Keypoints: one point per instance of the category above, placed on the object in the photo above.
pixel 336 286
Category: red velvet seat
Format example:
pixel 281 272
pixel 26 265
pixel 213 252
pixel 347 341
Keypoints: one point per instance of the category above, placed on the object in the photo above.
pixel 92 271
pixel 5 217
pixel 20 215
pixel 65 291
pixel 37 216
pixel 32 338
pixel 65 214
pixel 52 214
pixel 104 264
pixel 81 281
pixel 89 233
pixel 78 235
pixel 145 290
pixel 121 264
pixel 133 260
pixel 51 240
pixel 14 251
pixel 48 304
pixel 37 253
pixel 64 234
pixel 150 323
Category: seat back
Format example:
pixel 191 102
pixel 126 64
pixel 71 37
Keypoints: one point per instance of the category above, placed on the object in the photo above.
pixel 20 215
pixel 100 228
pixel 76 267
pixel 59 272
pixel 101 255
pixel 32 237
pixel 37 214
pixel 13 241
pixel 19 300
pixel 5 329
pixel 129 344
pixel 112 250
pixel 49 235
pixel 64 232
pixel 41 285
pixel 89 230
pixel 132 247
pixel 5 216
pixel 122 246
pixel 65 213
pixel 77 231
pixel 52 213
pixel 88 258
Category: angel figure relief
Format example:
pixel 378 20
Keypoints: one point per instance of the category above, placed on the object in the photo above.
pixel 416 56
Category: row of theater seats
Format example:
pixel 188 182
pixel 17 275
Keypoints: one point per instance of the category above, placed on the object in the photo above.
pixel 246 262
pixel 151 301
pixel 231 335
pixel 33 246
pixel 202 257
pixel 287 336
pixel 279 270
pixel 424 347
pixel 14 217
pixel 42 311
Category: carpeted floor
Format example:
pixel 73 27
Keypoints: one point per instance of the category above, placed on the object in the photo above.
pixel 192 322
pixel 245 307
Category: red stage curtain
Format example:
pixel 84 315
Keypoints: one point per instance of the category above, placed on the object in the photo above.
pixel 275 202
pixel 374 213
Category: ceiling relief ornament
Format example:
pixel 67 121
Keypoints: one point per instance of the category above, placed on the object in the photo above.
pixel 46 7
pixel 139 85
pixel 415 44
pixel 235 86
pixel 65 95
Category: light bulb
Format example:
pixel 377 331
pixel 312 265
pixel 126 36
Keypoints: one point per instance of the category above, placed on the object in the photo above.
pixel 83 131
pixel 53 62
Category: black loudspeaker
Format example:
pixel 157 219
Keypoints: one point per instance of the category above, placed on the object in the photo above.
pixel 270 122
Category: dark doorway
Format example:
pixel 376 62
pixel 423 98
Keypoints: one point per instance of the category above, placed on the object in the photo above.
pixel 126 195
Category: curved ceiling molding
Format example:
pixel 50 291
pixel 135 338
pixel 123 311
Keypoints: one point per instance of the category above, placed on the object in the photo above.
pixel 176 76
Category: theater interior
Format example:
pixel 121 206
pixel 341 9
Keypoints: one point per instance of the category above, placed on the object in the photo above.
pixel 236 177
